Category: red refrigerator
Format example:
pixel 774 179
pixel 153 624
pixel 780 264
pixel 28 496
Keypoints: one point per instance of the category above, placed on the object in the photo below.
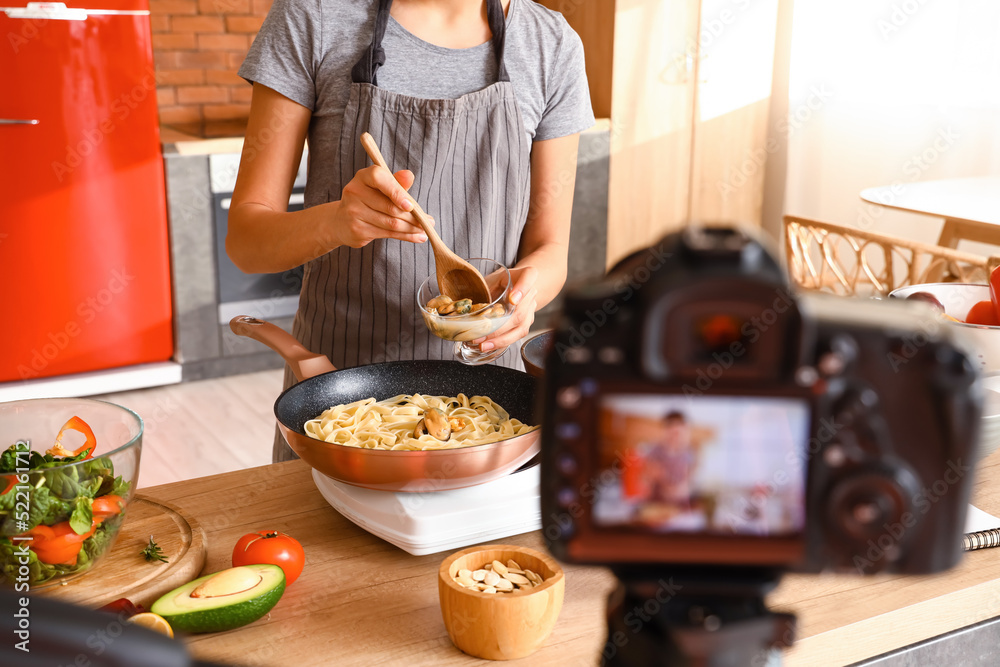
pixel 84 256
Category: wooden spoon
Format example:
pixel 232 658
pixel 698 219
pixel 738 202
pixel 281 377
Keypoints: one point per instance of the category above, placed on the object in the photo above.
pixel 456 278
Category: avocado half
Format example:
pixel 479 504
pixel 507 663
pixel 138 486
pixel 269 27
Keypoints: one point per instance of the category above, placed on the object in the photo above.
pixel 223 600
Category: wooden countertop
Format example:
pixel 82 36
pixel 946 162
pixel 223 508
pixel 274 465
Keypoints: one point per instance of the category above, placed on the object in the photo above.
pixel 362 601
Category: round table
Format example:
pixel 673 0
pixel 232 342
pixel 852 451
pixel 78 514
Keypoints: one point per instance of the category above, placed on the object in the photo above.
pixel 970 206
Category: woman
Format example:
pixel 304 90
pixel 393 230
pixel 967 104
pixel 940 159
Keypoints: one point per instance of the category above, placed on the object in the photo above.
pixel 476 105
pixel 672 462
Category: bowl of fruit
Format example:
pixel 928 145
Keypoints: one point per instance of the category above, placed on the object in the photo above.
pixel 68 471
pixel 968 306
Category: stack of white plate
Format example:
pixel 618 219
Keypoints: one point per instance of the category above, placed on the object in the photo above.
pixel 989 437
pixel 427 523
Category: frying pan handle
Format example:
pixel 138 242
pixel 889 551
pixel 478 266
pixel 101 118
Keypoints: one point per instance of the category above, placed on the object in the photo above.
pixel 303 363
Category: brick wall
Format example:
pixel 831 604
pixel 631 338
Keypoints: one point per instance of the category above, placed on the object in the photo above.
pixel 197 46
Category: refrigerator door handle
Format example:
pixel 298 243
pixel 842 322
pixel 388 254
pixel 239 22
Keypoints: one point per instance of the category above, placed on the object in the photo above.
pixel 18 121
pixel 46 10
pixel 58 11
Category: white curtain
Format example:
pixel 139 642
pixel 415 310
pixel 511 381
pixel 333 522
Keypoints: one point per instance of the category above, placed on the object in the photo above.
pixel 887 91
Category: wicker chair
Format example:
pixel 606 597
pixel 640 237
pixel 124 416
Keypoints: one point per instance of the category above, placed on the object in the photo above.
pixel 852 262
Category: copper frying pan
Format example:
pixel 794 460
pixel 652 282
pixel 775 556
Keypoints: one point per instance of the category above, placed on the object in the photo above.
pixel 321 386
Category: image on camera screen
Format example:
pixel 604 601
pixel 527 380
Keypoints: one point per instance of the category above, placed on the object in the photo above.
pixel 727 465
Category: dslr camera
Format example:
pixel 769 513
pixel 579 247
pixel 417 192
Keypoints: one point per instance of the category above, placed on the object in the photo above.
pixel 698 413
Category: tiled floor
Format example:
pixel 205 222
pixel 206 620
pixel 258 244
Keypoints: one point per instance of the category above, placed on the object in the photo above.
pixel 202 428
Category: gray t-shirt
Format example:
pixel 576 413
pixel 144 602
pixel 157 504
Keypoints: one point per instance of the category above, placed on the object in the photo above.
pixel 306 48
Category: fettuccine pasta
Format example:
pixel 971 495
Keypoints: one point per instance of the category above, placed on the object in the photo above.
pixel 389 424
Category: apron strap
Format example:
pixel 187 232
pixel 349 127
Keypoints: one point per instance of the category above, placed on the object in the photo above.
pixel 373 57
pixel 498 26
pixel 365 70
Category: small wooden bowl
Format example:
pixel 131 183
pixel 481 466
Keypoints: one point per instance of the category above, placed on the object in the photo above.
pixel 502 626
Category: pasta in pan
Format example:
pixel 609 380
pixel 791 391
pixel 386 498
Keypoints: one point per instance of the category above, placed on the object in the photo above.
pixel 390 424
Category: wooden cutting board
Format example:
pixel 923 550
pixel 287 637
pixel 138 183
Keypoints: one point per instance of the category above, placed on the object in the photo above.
pixel 123 573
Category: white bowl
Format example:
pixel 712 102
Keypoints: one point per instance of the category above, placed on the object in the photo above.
pixel 957 299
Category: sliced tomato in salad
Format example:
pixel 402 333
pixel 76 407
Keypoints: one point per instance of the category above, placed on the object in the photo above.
pixel 58 544
pixel 107 506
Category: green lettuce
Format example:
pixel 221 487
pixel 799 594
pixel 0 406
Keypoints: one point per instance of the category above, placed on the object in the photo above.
pixel 55 493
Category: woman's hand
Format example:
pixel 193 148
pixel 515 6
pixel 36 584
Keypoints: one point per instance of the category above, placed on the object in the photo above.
pixel 541 268
pixel 523 296
pixel 263 237
pixel 374 205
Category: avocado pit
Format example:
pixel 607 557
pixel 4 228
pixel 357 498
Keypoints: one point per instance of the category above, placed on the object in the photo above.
pixel 228 582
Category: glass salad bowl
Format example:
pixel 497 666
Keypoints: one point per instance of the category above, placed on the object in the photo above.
pixel 63 505
pixel 461 320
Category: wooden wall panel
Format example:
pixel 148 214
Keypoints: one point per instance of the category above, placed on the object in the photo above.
pixel 729 162
pixel 776 172
pixel 594 21
pixel 651 121
pixel 731 149
pixel 646 60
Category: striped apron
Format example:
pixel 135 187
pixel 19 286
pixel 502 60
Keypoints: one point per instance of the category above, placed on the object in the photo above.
pixel 470 157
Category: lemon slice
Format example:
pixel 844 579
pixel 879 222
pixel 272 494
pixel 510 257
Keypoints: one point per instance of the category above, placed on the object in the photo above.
pixel 153 622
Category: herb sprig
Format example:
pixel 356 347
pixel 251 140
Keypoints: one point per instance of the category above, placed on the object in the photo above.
pixel 153 552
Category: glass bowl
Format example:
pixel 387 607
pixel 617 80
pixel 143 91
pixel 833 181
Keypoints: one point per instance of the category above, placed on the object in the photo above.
pixel 54 504
pixel 476 321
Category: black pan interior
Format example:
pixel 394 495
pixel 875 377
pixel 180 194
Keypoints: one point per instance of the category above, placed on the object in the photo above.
pixel 512 389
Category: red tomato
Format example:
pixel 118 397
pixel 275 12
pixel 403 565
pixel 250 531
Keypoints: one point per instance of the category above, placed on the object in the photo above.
pixel 995 291
pixel 271 546
pixel 122 606
pixel 982 313
pixel 58 544
pixel 106 506
pixel 41 533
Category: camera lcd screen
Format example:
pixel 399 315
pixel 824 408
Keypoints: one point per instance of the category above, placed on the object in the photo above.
pixel 724 465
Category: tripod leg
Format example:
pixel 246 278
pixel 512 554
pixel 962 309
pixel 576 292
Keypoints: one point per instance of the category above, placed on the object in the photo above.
pixel 697 631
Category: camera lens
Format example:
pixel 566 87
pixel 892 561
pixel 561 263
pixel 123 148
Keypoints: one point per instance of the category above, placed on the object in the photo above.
pixel 864 502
